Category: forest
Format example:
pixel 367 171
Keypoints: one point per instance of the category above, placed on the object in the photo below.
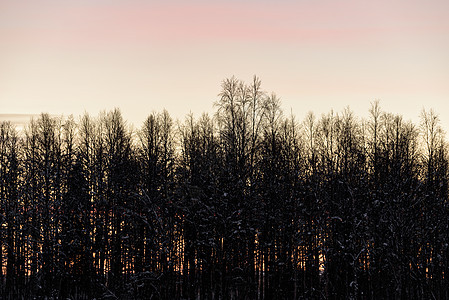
pixel 247 203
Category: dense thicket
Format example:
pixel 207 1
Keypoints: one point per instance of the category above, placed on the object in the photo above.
pixel 245 204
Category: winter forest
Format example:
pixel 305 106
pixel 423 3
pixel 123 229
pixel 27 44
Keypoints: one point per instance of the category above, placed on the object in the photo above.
pixel 247 203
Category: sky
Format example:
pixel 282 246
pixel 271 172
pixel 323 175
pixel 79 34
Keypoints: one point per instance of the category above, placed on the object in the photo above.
pixel 68 57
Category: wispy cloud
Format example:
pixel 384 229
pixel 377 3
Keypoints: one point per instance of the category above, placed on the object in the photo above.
pixel 18 120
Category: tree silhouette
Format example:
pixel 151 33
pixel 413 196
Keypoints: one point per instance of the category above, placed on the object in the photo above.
pixel 245 204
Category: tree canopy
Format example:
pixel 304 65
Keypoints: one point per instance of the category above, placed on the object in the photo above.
pixel 248 203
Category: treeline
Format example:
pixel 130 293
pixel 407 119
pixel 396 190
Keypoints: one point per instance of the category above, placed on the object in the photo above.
pixel 247 204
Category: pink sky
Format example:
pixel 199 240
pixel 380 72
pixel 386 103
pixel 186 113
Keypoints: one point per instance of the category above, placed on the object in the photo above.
pixel 70 56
